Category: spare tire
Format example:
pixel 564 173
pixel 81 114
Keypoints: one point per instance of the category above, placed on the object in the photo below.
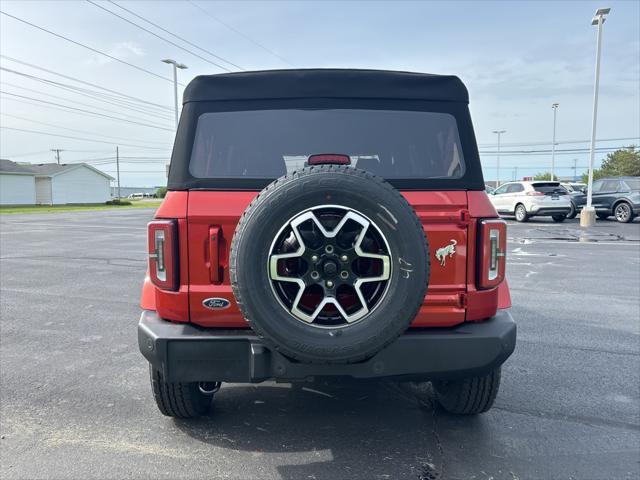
pixel 329 264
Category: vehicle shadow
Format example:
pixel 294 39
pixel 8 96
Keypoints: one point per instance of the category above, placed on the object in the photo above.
pixel 334 429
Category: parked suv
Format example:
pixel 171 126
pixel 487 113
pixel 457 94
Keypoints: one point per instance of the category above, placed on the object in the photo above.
pixel 618 196
pixel 324 223
pixel 532 199
pixel 577 197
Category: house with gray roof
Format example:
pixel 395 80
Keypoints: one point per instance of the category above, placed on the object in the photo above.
pixel 52 184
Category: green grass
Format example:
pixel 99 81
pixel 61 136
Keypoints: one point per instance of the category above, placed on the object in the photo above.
pixel 77 208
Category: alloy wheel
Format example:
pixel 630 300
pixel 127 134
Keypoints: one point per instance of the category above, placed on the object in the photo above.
pixel 330 266
pixel 623 212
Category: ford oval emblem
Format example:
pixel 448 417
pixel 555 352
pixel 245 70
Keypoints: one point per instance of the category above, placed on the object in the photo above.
pixel 216 303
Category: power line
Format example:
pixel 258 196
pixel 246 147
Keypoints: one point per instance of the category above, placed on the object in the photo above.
pixel 106 97
pixel 30 154
pixel 161 37
pixel 81 131
pixel 87 47
pixel 88 111
pixel 100 96
pixel 75 102
pixel 71 137
pixel 238 32
pixel 546 152
pixel 79 81
pixel 173 35
pixel 563 142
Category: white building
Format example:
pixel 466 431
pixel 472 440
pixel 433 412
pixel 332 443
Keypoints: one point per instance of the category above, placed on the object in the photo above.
pixel 55 184
pixel 17 184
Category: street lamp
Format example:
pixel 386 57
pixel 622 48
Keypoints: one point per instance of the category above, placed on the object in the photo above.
pixel 498 132
pixel 588 213
pixel 553 144
pixel 176 66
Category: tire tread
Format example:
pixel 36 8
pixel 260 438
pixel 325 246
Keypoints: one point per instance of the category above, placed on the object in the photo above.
pixel 469 396
pixel 176 399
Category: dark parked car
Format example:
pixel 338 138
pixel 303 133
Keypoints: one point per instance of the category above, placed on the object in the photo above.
pixel 577 196
pixel 618 196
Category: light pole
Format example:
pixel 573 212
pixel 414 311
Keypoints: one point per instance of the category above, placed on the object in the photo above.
pixel 553 144
pixel 498 132
pixel 176 66
pixel 588 213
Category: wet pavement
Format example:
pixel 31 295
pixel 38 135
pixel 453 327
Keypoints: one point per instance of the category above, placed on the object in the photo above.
pixel 75 400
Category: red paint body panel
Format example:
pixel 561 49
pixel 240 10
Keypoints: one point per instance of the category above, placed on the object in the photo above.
pixel 175 305
pixel 481 304
pixel 504 296
pixel 206 210
pixel 173 206
pixel 443 219
pixel 452 297
pixel 148 296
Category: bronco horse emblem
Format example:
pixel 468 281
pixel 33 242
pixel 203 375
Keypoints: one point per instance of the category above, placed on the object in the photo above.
pixel 446 251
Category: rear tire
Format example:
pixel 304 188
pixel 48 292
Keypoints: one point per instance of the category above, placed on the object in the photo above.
pixel 468 396
pixel 179 399
pixel 521 213
pixel 559 218
pixel 573 212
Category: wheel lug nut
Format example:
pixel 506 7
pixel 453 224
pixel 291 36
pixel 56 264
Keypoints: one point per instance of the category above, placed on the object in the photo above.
pixel 344 258
pixel 344 274
pixel 328 249
pixel 315 275
pixel 314 258
pixel 329 284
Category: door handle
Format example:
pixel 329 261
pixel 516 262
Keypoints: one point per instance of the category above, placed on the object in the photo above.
pixel 215 271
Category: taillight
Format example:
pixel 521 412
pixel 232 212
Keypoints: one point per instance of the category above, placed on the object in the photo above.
pixel 163 253
pixel 492 252
pixel 329 159
pixel 535 194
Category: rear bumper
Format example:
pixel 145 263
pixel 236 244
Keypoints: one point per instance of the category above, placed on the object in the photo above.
pixel 185 353
pixel 548 211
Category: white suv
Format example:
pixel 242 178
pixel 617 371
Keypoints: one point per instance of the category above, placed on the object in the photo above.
pixel 529 199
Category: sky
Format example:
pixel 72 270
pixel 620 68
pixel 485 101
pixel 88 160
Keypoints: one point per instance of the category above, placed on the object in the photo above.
pixel 516 58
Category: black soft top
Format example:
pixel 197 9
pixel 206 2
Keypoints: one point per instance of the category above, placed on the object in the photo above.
pixel 326 83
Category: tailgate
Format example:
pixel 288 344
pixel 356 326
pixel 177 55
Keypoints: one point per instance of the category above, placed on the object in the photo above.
pixel 212 219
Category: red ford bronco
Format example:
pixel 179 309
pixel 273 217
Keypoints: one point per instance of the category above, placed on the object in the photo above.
pixel 325 223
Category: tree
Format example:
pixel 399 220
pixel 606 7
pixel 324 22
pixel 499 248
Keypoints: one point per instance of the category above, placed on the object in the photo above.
pixel 622 162
pixel 161 192
pixel 542 176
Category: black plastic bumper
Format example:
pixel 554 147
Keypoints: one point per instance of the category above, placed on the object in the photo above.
pixel 186 353
pixel 548 211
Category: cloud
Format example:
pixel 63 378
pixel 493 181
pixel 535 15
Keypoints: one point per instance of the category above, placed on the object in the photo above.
pixel 121 50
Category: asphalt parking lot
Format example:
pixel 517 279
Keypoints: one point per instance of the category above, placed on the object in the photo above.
pixel 75 399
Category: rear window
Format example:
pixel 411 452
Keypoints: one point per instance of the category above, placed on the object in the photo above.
pixel 549 187
pixel 633 184
pixel 270 143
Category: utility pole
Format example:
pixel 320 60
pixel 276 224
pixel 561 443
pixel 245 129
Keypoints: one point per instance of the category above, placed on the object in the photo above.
pixel 118 168
pixel 515 173
pixel 498 132
pixel 57 152
pixel 575 169
pixel 588 213
pixel 553 144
